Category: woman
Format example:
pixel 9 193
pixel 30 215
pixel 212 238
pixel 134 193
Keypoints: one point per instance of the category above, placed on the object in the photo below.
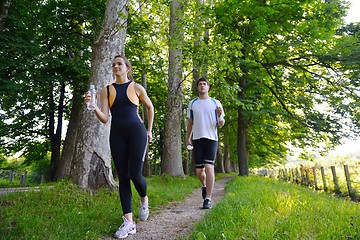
pixel 128 138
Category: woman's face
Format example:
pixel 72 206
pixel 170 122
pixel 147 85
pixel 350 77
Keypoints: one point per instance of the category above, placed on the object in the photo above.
pixel 119 67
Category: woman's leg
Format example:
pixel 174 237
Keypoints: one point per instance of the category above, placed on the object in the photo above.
pixel 137 152
pixel 119 152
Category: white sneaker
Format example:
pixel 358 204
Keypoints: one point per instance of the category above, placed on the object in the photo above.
pixel 126 229
pixel 144 211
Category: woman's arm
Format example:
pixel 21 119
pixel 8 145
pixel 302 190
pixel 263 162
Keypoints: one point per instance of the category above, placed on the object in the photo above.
pixel 103 113
pixel 144 98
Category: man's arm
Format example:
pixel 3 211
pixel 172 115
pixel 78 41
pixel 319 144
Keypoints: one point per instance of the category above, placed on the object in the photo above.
pixel 220 116
pixel 221 122
pixel 189 131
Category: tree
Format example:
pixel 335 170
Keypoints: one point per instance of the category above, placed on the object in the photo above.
pixel 4 8
pixel 45 40
pixel 172 156
pixel 276 55
pixel 91 166
pixel 146 47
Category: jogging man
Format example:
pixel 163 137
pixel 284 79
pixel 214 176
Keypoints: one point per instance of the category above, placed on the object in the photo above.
pixel 204 115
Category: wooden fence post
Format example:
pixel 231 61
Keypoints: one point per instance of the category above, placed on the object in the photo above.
pixel 323 178
pixel 303 178
pixel 25 176
pixel 348 182
pixel 297 175
pixel 336 183
pixel 11 176
pixel 315 179
pixel 23 179
pixel 307 178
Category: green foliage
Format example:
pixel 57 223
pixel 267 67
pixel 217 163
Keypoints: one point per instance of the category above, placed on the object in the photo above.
pixel 262 208
pixel 2 160
pixel 39 171
pixel 146 49
pixel 44 62
pixel 284 60
pixel 36 151
pixel 290 70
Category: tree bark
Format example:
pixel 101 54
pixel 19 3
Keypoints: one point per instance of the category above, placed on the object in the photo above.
pixel 65 163
pixel 219 166
pixel 227 161
pixel 172 156
pixel 200 64
pixel 55 136
pixel 242 138
pixel 4 9
pixel 243 132
pixel 91 166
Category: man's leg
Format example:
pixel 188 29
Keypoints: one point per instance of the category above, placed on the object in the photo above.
pixel 210 179
pixel 201 175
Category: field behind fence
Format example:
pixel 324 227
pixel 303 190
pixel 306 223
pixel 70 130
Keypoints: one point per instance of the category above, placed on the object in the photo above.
pixel 343 180
pixel 17 178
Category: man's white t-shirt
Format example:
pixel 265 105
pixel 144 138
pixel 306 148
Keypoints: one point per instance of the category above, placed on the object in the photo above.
pixel 203 114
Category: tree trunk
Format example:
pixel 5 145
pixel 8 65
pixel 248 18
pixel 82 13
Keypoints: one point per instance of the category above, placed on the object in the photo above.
pixel 91 167
pixel 64 165
pixel 243 152
pixel 219 164
pixel 243 131
pixel 172 156
pixel 200 65
pixel 227 161
pixel 4 9
pixel 55 136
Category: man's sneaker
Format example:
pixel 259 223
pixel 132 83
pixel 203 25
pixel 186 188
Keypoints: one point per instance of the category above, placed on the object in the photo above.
pixel 144 211
pixel 203 192
pixel 126 229
pixel 207 204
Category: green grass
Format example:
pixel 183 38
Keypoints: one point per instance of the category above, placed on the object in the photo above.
pixel 4 183
pixel 253 208
pixel 261 208
pixel 68 212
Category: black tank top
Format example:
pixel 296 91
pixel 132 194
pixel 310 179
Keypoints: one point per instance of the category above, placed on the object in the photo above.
pixel 123 111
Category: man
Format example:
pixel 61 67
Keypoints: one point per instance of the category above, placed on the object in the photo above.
pixel 204 115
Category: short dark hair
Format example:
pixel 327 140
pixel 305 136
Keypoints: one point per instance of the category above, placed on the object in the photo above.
pixel 202 80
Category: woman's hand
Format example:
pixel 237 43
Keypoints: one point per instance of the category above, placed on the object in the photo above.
pixel 149 135
pixel 87 97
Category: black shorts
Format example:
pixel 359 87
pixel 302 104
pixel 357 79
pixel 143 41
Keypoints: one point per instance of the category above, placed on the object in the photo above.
pixel 204 152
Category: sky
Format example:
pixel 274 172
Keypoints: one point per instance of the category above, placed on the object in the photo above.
pixel 353 13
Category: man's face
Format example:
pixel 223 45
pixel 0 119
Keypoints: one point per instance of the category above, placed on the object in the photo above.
pixel 203 87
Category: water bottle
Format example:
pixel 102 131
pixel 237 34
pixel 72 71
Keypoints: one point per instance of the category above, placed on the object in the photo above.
pixel 92 103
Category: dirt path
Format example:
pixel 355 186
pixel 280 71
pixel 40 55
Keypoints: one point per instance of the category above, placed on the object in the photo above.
pixel 21 189
pixel 177 218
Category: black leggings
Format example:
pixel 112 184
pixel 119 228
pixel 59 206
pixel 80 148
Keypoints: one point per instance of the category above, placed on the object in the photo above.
pixel 128 146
